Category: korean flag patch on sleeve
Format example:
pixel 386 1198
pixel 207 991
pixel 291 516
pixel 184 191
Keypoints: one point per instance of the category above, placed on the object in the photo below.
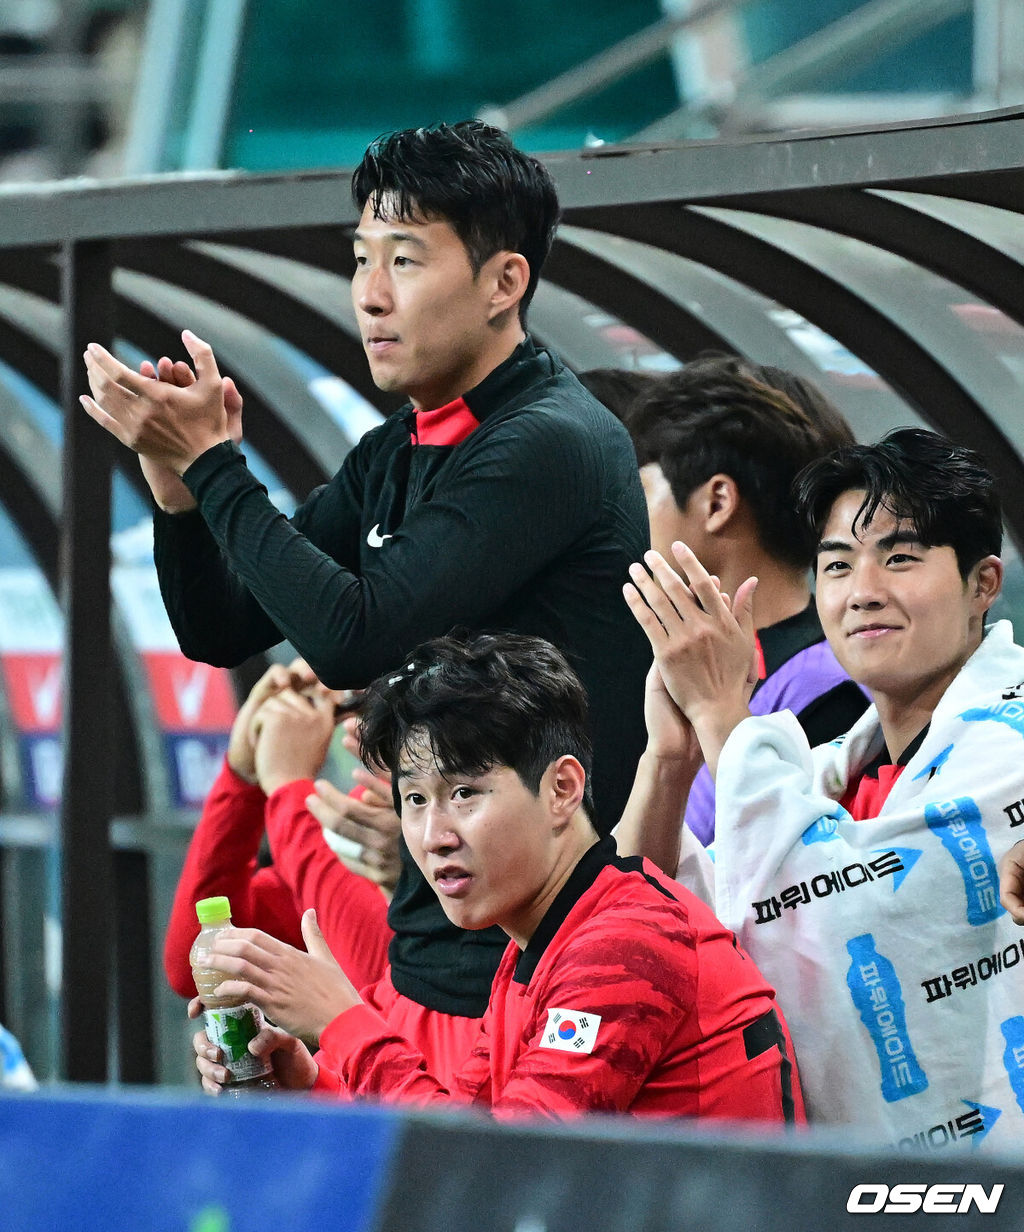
pixel 571 1030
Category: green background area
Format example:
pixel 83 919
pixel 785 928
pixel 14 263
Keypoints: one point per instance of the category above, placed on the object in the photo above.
pixel 316 82
pixel 938 61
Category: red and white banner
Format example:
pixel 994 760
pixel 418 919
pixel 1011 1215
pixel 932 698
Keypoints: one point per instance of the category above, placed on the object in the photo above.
pixel 33 685
pixel 187 696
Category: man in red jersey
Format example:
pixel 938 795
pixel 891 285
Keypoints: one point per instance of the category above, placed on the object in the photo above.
pixel 307 869
pixel 619 990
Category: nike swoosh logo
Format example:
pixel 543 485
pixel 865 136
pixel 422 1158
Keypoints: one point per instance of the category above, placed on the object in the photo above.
pixel 374 538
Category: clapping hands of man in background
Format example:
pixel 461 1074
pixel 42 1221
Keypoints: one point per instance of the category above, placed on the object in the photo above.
pixel 366 825
pixel 301 723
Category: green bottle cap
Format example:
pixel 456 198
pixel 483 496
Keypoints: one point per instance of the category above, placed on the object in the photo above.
pixel 213 910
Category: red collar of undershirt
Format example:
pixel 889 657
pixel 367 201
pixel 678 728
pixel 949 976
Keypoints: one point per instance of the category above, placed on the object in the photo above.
pixel 446 425
pixel 866 794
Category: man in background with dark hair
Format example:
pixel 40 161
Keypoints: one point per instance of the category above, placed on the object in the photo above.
pixel 618 992
pixel 862 876
pixel 718 451
pixel 502 497
pixel 619 388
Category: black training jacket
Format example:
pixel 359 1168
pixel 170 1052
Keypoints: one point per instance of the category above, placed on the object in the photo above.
pixel 516 508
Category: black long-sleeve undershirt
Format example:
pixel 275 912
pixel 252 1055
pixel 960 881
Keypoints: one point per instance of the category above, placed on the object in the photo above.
pixel 526 525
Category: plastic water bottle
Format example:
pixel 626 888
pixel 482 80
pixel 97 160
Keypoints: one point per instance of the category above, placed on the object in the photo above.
pixel 230 1022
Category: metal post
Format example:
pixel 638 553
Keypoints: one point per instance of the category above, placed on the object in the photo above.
pixel 160 83
pixel 213 88
pixel 89 751
pixel 998 43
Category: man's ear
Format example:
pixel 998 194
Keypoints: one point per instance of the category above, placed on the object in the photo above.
pixel 567 783
pixel 720 501
pixel 987 580
pixel 510 275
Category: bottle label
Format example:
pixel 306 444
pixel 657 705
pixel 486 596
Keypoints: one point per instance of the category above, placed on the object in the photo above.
pixel 876 992
pixel 1013 1056
pixel 959 826
pixel 231 1030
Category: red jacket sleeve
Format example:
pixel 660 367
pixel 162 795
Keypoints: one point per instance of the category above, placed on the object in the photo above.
pixel 363 1056
pixel 351 911
pixel 221 859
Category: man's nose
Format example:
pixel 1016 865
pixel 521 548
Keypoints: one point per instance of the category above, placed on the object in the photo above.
pixel 438 832
pixel 374 293
pixel 867 589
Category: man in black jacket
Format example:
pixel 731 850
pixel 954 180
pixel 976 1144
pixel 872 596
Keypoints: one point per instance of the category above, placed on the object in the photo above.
pixel 504 497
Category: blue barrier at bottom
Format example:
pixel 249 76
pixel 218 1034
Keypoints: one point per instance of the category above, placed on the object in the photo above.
pixel 100 1161
pixel 95 1162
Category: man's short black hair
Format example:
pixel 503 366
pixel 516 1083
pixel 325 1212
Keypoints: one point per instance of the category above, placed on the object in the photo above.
pixel 944 491
pixel 827 418
pixel 618 388
pixel 711 417
pixel 470 175
pixel 477 702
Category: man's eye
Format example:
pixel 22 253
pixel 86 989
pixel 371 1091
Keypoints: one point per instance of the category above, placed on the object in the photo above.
pixel 402 262
pixel 414 798
pixel 463 793
pixel 833 566
pixel 901 558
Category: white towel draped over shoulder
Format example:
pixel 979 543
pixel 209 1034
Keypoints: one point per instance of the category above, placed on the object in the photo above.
pixel 901 976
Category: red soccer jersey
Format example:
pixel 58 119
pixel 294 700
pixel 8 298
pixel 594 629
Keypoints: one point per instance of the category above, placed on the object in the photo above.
pixel 631 997
pixel 868 791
